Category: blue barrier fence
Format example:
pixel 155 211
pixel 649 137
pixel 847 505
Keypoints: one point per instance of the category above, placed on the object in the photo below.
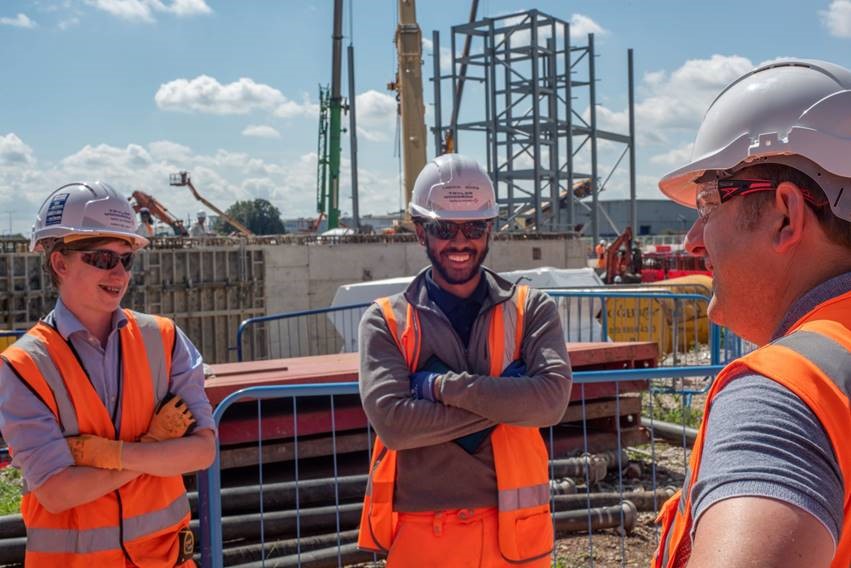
pixel 210 491
pixel 675 320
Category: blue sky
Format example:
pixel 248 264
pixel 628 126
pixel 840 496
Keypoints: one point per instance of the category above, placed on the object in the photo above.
pixel 128 91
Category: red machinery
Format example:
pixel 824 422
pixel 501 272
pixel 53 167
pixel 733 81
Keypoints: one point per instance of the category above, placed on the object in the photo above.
pixel 662 265
pixel 159 211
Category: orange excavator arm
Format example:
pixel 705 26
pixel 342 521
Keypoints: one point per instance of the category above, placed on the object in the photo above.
pixel 159 211
pixel 612 265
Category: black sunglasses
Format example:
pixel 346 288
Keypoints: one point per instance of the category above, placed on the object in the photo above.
pixel 107 259
pixel 446 230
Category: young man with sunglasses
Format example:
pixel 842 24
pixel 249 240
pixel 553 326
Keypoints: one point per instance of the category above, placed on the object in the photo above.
pixel 457 375
pixel 98 403
pixel 769 480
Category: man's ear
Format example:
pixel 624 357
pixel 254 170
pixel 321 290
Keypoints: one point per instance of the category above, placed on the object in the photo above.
pixel 421 237
pixel 789 202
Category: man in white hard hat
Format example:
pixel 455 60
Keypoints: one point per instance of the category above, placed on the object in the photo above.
pixel 769 481
pixel 457 374
pixel 146 223
pixel 199 227
pixel 98 402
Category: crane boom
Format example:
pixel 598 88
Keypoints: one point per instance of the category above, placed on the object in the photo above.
pixel 182 178
pixel 159 211
pixel 409 87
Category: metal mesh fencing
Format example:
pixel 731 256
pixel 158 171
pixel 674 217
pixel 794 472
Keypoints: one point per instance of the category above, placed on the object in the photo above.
pixel 287 485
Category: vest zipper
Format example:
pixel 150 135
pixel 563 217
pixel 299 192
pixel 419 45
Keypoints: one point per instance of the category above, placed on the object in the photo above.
pixel 121 528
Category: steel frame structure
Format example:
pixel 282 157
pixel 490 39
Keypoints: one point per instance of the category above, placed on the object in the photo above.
pixel 531 78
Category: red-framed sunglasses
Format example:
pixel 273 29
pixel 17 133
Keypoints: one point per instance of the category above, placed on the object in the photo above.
pixel 711 194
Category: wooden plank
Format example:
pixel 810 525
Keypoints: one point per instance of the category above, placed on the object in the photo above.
pixel 345 442
pixel 602 409
pixel 277 425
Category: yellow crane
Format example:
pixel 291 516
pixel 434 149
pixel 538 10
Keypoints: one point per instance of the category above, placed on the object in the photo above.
pixel 409 93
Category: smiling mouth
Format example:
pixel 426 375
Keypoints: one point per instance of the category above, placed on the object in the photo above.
pixel 114 290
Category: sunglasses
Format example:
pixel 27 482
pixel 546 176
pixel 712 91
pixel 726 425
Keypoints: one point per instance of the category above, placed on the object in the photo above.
pixel 446 230
pixel 107 259
pixel 713 193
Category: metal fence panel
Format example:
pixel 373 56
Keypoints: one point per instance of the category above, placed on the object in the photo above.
pixel 289 511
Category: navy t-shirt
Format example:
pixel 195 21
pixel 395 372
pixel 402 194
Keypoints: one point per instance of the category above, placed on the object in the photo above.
pixel 461 312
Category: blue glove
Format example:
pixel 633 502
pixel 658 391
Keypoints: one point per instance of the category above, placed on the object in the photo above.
pixel 471 442
pixel 422 385
pixel 515 369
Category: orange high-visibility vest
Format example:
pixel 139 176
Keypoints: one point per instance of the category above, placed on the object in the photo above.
pixel 813 360
pixel 138 523
pixel 520 456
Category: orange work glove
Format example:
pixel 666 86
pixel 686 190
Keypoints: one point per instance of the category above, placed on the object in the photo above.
pixel 172 420
pixel 94 451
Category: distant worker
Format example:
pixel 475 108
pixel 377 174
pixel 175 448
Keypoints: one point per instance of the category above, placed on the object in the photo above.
pixel 146 223
pixel 600 253
pixel 770 474
pixel 199 227
pixel 636 259
pixel 97 402
pixel 457 374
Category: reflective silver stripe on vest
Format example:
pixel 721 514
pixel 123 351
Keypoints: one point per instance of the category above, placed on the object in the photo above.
pixel 148 523
pixel 156 353
pixel 825 353
pixel 523 497
pixel 509 322
pixel 70 541
pixel 37 350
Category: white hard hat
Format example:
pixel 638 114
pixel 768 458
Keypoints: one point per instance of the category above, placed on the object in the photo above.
pixel 455 188
pixel 83 210
pixel 202 214
pixel 791 112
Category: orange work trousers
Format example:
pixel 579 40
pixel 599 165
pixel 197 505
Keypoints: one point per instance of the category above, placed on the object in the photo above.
pixel 460 538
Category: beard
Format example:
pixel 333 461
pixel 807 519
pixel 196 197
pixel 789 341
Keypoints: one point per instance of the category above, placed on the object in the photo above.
pixel 453 275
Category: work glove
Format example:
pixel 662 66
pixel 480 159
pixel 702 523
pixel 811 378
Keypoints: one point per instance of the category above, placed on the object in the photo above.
pixel 422 385
pixel 515 369
pixel 94 451
pixel 471 442
pixel 171 420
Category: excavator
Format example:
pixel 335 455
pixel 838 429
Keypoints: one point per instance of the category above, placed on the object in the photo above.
pixel 619 262
pixel 158 210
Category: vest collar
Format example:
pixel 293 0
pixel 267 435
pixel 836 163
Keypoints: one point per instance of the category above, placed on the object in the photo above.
pixel 828 289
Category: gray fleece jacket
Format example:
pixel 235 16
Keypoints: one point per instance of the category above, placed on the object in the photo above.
pixel 434 473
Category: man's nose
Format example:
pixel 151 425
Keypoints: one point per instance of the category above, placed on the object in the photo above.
pixel 693 242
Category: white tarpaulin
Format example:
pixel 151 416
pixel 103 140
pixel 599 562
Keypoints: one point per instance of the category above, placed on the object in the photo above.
pixel 578 314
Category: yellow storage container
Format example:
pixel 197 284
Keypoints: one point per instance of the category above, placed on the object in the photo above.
pixel 6 341
pixel 683 323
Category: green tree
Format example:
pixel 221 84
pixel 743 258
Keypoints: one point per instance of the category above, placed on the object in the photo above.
pixel 260 216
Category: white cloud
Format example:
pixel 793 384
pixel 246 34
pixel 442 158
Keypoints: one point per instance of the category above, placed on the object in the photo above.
pixel 261 131
pixel 581 26
pixel 675 157
pixel 837 18
pixel 676 102
pixel 144 10
pixel 205 94
pixel 376 115
pixel 68 23
pixel 13 151
pixel 19 21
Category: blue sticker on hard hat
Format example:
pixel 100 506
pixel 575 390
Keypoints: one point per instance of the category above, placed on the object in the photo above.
pixel 55 209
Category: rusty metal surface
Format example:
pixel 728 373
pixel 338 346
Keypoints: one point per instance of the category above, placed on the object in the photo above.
pixel 343 367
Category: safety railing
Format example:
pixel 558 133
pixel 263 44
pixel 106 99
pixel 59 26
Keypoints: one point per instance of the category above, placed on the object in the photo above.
pixel 302 453
pixel 301 333
pixel 677 321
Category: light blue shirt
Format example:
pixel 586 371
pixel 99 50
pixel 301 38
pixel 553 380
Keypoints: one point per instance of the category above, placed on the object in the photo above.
pixel 31 429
